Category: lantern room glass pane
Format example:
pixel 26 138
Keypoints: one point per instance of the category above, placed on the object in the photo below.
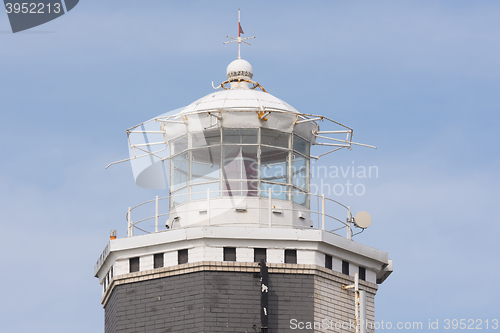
pixel 240 162
pixel 234 188
pixel 179 144
pixel 205 164
pixel 199 192
pixel 179 170
pixel 301 198
pixel 179 197
pixel 205 138
pixel 274 138
pixel 240 135
pixel 301 145
pixel 300 174
pixel 277 191
pixel 274 164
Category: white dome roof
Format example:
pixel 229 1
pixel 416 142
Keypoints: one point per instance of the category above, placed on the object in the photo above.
pixel 240 99
pixel 240 107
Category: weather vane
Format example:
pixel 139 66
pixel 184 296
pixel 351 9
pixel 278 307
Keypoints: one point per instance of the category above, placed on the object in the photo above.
pixel 239 40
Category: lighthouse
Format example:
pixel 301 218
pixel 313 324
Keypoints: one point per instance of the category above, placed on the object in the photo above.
pixel 239 243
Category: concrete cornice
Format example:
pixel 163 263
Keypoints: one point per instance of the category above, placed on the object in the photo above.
pixel 313 239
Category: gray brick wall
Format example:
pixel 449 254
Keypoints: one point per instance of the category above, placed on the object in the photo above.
pixel 110 315
pixel 337 305
pixel 209 301
pixel 290 297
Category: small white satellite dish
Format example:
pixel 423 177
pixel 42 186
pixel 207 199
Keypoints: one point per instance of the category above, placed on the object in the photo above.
pixel 362 220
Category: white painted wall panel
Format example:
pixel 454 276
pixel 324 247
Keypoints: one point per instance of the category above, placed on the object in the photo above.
pixel 244 254
pixel 146 263
pixel 276 256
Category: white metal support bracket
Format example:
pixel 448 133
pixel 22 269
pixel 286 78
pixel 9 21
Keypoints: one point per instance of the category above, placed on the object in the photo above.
pixel 359 305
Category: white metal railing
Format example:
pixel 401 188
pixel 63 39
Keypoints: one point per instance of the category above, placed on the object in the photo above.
pixel 321 212
pixel 101 259
pixel 141 149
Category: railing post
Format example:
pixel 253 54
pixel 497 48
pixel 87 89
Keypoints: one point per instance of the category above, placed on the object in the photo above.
pixel 156 215
pixel 208 206
pixel 349 232
pixel 130 227
pixel 323 211
pixel 362 311
pixel 270 207
pixel 356 301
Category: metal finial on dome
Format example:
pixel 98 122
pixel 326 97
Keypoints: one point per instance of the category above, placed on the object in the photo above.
pixel 239 68
pixel 239 40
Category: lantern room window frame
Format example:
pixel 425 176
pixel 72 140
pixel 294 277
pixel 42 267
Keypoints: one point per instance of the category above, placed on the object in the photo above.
pixel 241 174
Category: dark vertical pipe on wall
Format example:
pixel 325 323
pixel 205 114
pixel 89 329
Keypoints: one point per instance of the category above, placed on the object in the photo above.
pixel 264 300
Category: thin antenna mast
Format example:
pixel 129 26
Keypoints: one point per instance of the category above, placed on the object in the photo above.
pixel 239 40
pixel 239 34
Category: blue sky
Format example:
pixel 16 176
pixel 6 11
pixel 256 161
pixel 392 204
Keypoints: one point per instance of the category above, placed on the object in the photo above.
pixel 419 80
